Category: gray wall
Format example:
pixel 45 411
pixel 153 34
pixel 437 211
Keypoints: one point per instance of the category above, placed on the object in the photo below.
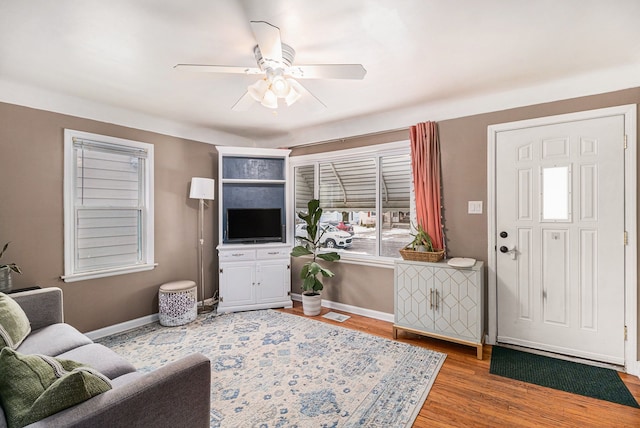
pixel 31 215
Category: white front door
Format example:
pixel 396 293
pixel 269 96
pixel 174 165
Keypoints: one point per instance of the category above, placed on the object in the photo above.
pixel 560 261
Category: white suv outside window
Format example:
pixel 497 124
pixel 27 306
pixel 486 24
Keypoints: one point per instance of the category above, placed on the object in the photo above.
pixel 331 238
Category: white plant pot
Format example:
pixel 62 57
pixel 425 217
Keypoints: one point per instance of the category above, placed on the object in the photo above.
pixel 311 305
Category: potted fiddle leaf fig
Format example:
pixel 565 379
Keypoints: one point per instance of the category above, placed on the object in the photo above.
pixel 5 271
pixel 310 245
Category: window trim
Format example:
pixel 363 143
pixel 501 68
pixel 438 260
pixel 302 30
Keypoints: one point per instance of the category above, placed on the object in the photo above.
pixel 402 147
pixel 70 275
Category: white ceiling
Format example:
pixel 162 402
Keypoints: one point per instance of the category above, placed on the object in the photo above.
pixel 425 59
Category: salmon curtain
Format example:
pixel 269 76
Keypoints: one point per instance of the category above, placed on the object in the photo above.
pixel 425 164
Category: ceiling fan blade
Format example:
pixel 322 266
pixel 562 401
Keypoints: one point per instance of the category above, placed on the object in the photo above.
pixel 218 69
pixel 244 103
pixel 328 71
pixel 268 38
pixel 302 90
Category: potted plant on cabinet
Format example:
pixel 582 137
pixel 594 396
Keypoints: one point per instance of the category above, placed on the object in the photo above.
pixel 310 246
pixel 421 248
pixel 5 271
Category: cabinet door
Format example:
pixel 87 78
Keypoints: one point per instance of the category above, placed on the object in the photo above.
pixel 273 281
pixel 414 296
pixel 237 284
pixel 457 306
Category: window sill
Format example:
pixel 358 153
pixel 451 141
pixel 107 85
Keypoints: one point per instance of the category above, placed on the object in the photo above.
pixel 380 262
pixel 107 272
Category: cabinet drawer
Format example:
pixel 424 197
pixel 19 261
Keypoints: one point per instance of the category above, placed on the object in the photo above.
pixel 237 255
pixel 273 253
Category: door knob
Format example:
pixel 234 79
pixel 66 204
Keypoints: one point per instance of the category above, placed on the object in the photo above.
pixel 506 250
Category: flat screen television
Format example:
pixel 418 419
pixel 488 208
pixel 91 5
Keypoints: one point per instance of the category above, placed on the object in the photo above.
pixel 254 225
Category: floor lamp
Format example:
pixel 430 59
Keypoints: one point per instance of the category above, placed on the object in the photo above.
pixel 202 188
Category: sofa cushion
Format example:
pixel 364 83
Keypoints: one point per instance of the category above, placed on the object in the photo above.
pixel 53 340
pixel 100 358
pixel 33 387
pixel 14 324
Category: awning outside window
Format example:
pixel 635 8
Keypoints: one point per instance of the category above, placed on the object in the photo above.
pixel 350 185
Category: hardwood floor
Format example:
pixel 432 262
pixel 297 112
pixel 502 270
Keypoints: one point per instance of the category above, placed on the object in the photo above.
pixel 466 395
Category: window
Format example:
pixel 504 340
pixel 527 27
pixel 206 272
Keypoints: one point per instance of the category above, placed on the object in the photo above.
pixel 556 193
pixel 108 204
pixel 365 195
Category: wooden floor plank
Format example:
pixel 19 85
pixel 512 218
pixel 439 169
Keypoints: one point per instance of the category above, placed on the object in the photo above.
pixel 465 394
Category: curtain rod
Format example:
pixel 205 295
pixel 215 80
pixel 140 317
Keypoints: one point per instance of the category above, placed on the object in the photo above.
pixel 353 137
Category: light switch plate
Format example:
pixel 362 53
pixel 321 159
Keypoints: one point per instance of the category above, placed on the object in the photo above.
pixel 475 207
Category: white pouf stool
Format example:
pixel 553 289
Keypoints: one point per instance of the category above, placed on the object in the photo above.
pixel 177 303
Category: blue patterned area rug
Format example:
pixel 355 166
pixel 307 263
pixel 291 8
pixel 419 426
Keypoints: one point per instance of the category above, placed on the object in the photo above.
pixel 272 369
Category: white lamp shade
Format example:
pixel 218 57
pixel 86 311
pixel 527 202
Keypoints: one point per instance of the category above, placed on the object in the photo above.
pixel 292 96
pixel 258 89
pixel 270 99
pixel 202 188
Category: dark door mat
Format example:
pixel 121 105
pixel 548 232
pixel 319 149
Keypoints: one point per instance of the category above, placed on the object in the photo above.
pixel 595 382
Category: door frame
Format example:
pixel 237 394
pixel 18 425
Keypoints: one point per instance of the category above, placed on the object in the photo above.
pixel 632 365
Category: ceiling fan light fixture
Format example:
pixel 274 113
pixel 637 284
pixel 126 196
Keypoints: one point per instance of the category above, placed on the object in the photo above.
pixel 280 86
pixel 257 90
pixel 270 99
pixel 292 96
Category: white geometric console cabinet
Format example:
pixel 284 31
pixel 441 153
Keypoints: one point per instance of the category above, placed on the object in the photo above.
pixel 253 252
pixel 440 301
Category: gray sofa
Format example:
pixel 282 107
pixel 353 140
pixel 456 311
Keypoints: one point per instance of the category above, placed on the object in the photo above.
pixel 175 395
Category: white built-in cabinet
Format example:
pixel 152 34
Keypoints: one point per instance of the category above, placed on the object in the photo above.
pixel 253 278
pixel 253 275
pixel 440 301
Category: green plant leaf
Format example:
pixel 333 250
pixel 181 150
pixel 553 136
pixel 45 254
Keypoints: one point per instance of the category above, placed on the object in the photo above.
pixel 4 248
pixel 317 285
pixel 304 272
pixel 314 269
pixel 309 283
pixel 313 205
pixel 330 257
pixel 300 251
pixel 326 273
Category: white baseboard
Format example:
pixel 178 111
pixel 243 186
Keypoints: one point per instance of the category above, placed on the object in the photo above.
pixel 138 322
pixel 128 325
pixel 123 326
pixel 383 316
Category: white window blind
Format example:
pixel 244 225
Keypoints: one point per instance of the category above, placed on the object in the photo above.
pixel 107 203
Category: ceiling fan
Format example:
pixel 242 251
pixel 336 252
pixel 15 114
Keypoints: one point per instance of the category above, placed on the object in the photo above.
pixel 275 62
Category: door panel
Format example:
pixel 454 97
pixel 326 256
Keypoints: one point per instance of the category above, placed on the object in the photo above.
pixel 560 270
pixel 414 297
pixel 238 284
pixel 274 281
